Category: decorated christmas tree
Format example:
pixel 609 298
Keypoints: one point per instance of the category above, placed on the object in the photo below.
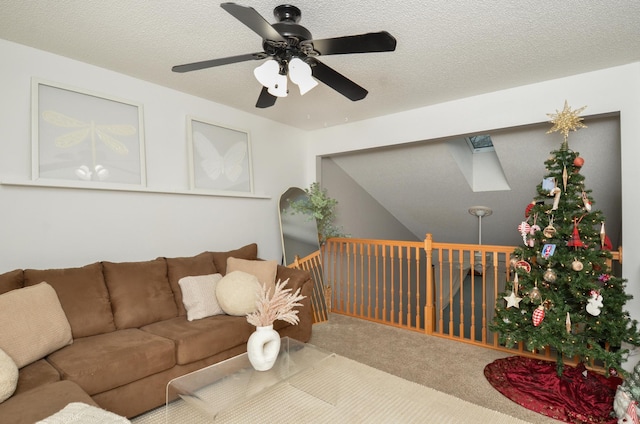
pixel 562 293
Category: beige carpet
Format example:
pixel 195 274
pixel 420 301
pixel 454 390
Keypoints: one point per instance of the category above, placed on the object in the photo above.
pixel 351 392
pixel 447 366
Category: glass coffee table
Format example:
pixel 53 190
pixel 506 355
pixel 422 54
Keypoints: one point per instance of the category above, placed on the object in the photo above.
pixel 232 390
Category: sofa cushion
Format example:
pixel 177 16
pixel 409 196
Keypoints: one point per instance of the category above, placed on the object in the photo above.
pixel 8 376
pixel 83 295
pixel 36 374
pixel 140 292
pixel 265 271
pixel 249 251
pixel 11 280
pixel 34 323
pixel 102 362
pixel 237 293
pixel 206 337
pixel 41 402
pixel 199 296
pixel 177 268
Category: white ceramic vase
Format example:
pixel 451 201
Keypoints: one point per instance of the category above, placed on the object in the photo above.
pixel 263 347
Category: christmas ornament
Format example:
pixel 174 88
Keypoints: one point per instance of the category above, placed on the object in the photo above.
pixel 549 183
pixel 578 162
pixel 567 323
pixel 522 264
pixel 576 265
pixel 548 250
pixel 565 178
pixel 535 294
pixel 524 229
pixel 556 197
pixel 513 299
pixel 565 121
pixel 538 316
pixel 550 276
pixel 603 234
pixel 549 231
pixel 527 210
pixel 594 304
pixel 586 202
pixel 575 241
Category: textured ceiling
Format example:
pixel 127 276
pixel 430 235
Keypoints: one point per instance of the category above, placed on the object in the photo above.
pixel 446 49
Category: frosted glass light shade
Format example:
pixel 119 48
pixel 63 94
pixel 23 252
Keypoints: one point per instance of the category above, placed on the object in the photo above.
pixel 267 72
pixel 279 87
pixel 300 74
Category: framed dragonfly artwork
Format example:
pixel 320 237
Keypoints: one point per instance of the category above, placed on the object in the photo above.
pixel 86 139
pixel 219 158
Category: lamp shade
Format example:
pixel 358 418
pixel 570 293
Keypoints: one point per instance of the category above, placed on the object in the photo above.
pixel 267 72
pixel 300 74
pixel 279 87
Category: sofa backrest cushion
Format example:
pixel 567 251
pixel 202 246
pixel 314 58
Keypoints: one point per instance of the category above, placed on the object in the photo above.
pixel 178 268
pixel 83 295
pixel 11 280
pixel 140 292
pixel 249 251
pixel 34 324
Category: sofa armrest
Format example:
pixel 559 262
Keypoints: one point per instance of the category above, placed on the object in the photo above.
pixel 298 279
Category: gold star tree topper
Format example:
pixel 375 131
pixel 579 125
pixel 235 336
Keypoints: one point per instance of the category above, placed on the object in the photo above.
pixel 565 121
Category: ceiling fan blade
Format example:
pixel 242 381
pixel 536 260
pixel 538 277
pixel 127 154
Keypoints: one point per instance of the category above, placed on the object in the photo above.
pixel 265 99
pixel 252 19
pixel 218 62
pixel 336 80
pixel 363 43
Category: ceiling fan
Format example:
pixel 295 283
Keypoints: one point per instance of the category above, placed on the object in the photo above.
pixel 292 51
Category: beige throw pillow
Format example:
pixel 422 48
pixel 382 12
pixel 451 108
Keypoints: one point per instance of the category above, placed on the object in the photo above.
pixel 34 323
pixel 199 296
pixel 237 293
pixel 265 271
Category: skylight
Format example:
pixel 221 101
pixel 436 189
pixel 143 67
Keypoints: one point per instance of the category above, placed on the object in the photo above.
pixel 480 143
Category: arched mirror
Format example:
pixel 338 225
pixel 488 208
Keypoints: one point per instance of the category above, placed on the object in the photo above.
pixel 301 247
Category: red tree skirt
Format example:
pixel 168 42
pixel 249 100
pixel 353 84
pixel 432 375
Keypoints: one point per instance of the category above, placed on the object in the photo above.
pixel 579 396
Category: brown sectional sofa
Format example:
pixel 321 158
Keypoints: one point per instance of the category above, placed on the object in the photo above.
pixel 131 334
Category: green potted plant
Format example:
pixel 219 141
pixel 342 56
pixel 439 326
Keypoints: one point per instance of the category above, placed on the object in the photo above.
pixel 319 206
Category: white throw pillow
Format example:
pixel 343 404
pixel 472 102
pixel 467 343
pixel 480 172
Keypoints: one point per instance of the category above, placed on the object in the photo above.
pixel 8 376
pixel 199 295
pixel 36 324
pixel 237 293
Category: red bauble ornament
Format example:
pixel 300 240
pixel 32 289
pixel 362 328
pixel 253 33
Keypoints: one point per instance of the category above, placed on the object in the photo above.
pixel 578 161
pixel 538 315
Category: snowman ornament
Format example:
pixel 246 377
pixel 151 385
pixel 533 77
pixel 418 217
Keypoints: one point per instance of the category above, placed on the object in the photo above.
pixel 595 304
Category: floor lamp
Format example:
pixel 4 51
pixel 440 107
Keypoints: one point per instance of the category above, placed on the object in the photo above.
pixel 479 212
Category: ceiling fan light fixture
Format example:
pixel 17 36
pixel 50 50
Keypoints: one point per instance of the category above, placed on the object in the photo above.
pixel 300 74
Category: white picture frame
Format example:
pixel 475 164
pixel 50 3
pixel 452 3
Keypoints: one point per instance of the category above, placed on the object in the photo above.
pixel 85 139
pixel 219 158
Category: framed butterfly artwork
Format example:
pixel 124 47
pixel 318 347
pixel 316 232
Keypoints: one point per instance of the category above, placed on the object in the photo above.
pixel 219 158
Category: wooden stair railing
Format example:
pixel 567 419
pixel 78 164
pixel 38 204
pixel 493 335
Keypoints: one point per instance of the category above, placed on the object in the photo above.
pixel 387 281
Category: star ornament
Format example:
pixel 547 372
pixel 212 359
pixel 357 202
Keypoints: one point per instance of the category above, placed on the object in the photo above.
pixel 513 300
pixel 567 120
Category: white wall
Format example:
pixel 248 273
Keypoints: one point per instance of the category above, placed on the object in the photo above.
pixel 610 90
pixel 57 227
